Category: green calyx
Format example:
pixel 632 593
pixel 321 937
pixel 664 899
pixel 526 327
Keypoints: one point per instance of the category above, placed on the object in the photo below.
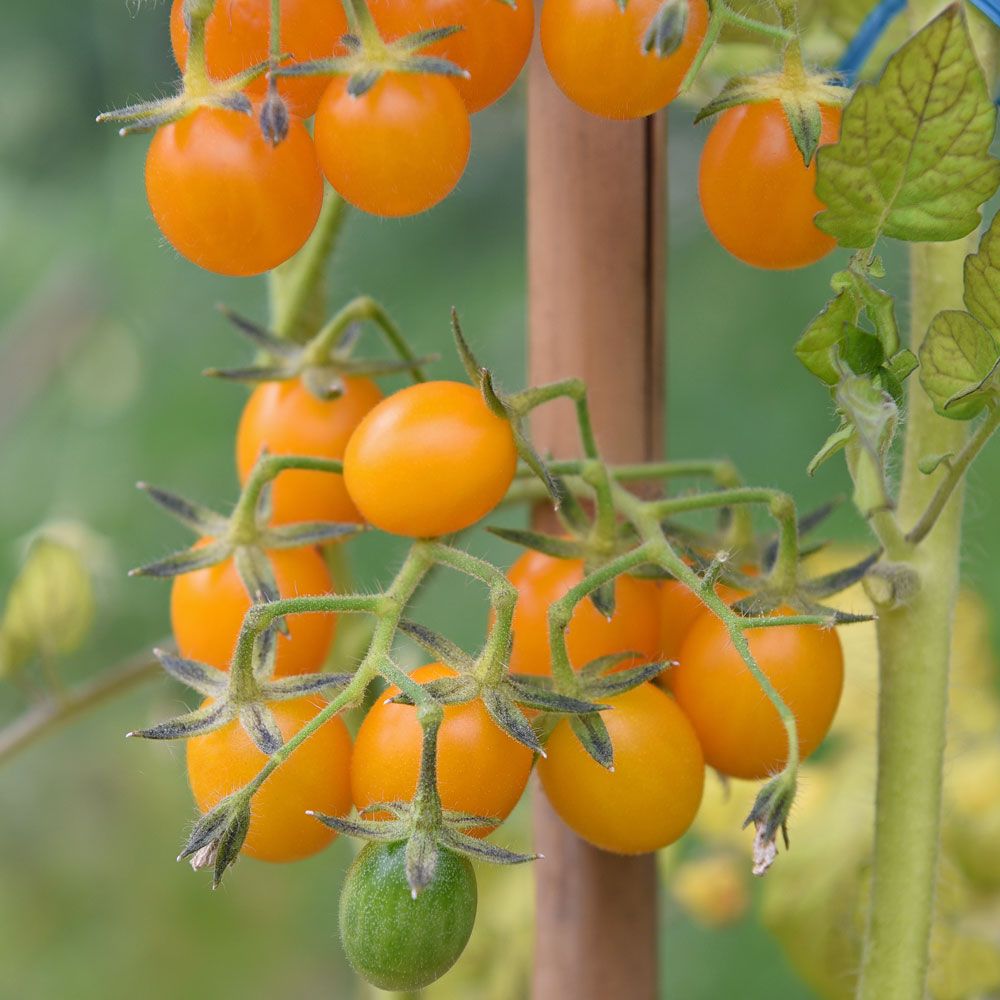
pixel 369 55
pixel 324 361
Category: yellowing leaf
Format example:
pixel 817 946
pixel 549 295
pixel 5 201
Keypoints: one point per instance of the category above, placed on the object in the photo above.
pixel 913 158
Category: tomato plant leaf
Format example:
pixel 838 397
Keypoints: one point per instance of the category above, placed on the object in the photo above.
pixel 913 158
pixel 982 280
pixel 835 443
pixel 929 465
pixel 874 415
pixel 958 359
pixel 817 347
pixel 879 305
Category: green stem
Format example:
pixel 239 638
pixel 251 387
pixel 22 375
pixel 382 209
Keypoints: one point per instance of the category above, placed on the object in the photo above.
pixel 359 310
pixel 243 521
pixel 954 476
pixel 561 613
pixel 914 649
pixel 524 402
pixel 296 288
pixel 274 25
pixel 55 712
pixel 196 81
pixel 389 607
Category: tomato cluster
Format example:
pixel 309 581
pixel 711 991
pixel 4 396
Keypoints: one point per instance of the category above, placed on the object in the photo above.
pixel 235 203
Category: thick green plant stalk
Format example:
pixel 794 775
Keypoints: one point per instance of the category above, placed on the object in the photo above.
pixel 914 640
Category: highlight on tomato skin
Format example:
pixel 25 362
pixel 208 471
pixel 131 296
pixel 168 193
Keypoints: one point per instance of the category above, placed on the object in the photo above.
pixel 481 770
pixel 739 729
pixel 757 194
pixel 399 148
pixel 492 46
pixel 284 418
pixel 316 776
pixel 430 460
pixel 237 36
pixel 225 198
pixel 651 797
pixel 594 52
pixel 207 608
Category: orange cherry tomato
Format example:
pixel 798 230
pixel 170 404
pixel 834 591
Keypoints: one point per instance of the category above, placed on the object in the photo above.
pixel 758 196
pixel 237 36
pixel 481 770
pixel 398 149
pixel 739 729
pixel 430 460
pixel 492 46
pixel 542 580
pixel 679 609
pixel 228 200
pixel 207 608
pixel 316 776
pixel 594 51
pixel 653 794
pixel 285 418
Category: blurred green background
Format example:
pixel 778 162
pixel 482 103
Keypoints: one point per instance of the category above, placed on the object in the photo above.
pixel 103 333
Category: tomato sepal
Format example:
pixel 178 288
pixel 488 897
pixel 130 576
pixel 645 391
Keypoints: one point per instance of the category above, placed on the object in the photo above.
pixel 260 725
pixel 200 677
pixel 666 31
pixel 483 850
pixel 197 723
pixel 537 541
pixel 440 647
pixel 217 838
pixel 593 735
pixel 768 816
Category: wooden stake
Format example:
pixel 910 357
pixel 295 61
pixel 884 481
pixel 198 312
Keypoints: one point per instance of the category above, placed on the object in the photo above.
pixel 596 309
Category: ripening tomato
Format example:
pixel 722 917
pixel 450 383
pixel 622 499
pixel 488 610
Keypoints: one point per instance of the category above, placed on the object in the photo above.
pixel 398 942
pixel 316 776
pixel 228 200
pixel 399 148
pixel 594 51
pixel 653 794
pixel 679 609
pixel 542 580
pixel 237 37
pixel 739 729
pixel 430 460
pixel 757 194
pixel 207 608
pixel 492 45
pixel 481 770
pixel 285 418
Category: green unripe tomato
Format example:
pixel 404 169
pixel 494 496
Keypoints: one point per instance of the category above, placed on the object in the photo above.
pixel 397 942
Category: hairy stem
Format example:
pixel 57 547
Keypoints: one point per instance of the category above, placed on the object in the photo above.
pixel 57 711
pixel 296 288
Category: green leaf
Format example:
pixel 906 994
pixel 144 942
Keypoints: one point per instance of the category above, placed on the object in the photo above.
pixel 874 415
pixel 836 442
pixel 982 280
pixel 879 306
pixel 861 351
pixel 929 465
pixel 958 359
pixel 913 159
pixel 817 348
